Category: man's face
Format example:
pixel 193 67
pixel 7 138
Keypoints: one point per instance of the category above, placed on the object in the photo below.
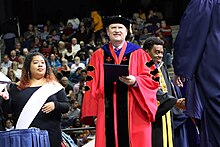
pixel 83 75
pixel 156 53
pixel 52 57
pixel 18 46
pixel 5 59
pixel 117 32
pixel 13 53
pixel 74 41
pixel 64 81
pixel 30 27
pixel 75 104
pixel 25 52
pixel 77 60
pixel 90 52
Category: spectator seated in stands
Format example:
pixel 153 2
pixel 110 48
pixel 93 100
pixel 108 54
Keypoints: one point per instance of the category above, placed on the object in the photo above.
pixel 6 63
pixel 45 49
pixel 74 111
pixel 9 124
pixel 75 77
pixel 76 64
pixel 13 56
pixel 17 71
pixel 69 54
pixel 54 63
pixel 11 75
pixel 64 69
pixel 65 83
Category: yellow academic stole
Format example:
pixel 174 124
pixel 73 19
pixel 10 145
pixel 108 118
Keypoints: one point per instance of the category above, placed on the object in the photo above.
pixel 166 119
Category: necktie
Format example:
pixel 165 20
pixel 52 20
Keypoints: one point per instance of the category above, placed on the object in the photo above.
pixel 116 49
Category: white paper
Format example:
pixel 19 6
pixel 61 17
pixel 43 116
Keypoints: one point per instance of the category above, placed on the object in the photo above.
pixel 3 77
pixel 90 144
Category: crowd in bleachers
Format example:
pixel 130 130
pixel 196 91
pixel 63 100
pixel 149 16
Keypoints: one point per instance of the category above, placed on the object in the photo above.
pixel 68 47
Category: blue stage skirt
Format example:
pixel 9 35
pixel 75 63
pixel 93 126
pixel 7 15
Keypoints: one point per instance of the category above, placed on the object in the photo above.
pixel 32 137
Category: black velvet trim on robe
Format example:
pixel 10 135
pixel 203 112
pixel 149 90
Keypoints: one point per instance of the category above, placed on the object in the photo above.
pixel 122 109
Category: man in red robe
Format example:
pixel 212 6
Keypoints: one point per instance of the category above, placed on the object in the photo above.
pixel 124 108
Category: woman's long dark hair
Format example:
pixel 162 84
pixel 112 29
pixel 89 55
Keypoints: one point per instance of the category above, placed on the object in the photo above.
pixel 26 73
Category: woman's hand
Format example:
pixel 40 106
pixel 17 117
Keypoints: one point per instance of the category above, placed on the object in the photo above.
pixel 48 107
pixel 5 94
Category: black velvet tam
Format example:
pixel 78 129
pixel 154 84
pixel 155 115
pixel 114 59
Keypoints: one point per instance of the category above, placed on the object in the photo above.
pixel 117 19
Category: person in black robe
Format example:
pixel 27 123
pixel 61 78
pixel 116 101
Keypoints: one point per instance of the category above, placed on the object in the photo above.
pixel 162 128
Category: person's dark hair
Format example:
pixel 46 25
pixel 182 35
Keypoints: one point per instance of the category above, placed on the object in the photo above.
pixel 83 79
pixel 83 70
pixel 151 41
pixel 75 121
pixel 26 73
pixel 79 68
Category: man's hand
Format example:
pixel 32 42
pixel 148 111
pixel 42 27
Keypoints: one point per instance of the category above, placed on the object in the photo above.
pixel 178 80
pixel 129 80
pixel 180 103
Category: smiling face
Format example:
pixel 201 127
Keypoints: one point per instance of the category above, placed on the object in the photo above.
pixel 156 53
pixel 117 33
pixel 37 67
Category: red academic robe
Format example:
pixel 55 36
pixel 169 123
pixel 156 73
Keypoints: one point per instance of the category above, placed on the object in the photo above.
pixel 142 103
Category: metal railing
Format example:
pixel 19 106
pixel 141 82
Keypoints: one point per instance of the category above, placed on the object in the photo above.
pixel 77 129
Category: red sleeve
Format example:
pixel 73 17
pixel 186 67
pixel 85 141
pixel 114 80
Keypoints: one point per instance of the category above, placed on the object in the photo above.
pixel 145 92
pixel 96 89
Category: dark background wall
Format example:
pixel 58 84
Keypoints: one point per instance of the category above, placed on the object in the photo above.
pixel 38 11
